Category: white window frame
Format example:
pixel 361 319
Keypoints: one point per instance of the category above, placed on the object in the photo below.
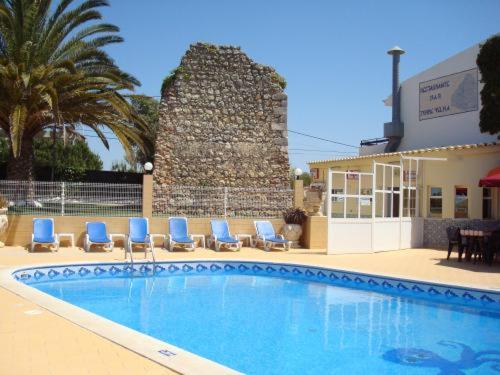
pixel 490 199
pixel 385 191
pixel 435 197
pixel 344 194
pixel 455 201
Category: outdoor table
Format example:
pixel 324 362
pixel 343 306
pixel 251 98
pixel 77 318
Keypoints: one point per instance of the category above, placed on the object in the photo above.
pixel 201 237
pixel 474 242
pixel 242 236
pixel 71 237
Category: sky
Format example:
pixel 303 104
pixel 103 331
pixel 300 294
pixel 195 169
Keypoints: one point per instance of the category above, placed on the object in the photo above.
pixel 332 54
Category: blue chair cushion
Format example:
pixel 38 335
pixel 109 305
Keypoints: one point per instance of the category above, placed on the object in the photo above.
pixel 49 239
pixel 97 232
pixel 265 229
pixel 220 228
pixel 138 230
pixel 182 239
pixel 276 240
pixel 43 231
pixel 227 239
pixel 139 239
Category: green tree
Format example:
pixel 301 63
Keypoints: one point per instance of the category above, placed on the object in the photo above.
pixel 122 166
pixel 488 61
pixel 71 160
pixel 147 108
pixel 55 74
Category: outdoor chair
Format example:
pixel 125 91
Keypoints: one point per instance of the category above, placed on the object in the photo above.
pixel 178 234
pixel 454 238
pixel 43 234
pixel 138 234
pixel 97 234
pixel 492 247
pixel 222 237
pixel 267 235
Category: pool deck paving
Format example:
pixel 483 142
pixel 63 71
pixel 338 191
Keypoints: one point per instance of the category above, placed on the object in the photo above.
pixel 36 341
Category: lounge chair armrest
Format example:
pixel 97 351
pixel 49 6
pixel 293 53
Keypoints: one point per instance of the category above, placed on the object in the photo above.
pixel 280 236
pixel 56 237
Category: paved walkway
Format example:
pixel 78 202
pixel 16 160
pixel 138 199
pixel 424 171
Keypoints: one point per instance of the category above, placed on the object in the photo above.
pixel 35 341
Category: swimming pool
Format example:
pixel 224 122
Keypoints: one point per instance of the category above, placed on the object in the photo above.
pixel 279 318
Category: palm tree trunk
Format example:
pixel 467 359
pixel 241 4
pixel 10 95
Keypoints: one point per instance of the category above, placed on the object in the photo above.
pixel 22 167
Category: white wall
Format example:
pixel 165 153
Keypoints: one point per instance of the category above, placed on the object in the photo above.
pixel 448 130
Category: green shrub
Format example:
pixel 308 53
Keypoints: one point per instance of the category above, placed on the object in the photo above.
pixel 279 79
pixel 169 80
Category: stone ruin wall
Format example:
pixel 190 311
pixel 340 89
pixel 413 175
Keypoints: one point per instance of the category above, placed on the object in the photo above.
pixel 223 123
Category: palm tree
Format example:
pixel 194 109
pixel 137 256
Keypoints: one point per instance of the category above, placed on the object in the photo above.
pixel 55 75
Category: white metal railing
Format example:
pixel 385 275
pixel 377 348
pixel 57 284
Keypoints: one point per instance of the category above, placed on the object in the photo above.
pixel 204 201
pixel 72 198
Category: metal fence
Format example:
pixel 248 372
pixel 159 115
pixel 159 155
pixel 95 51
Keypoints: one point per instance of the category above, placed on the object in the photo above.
pixel 72 198
pixel 190 201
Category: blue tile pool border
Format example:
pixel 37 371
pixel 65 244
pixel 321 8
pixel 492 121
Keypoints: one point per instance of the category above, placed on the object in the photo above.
pixel 422 290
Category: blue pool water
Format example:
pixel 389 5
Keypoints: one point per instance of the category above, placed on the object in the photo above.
pixel 258 324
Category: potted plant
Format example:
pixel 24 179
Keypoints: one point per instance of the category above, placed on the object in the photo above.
pixel 294 219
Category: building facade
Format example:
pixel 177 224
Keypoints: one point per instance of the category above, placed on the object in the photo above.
pixel 439 118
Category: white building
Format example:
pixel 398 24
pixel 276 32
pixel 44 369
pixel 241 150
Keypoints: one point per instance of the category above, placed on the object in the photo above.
pixel 440 106
pixel 406 188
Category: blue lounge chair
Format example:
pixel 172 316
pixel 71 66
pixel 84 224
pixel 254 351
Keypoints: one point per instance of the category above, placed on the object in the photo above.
pixel 138 234
pixel 97 235
pixel 268 237
pixel 178 234
pixel 222 237
pixel 43 234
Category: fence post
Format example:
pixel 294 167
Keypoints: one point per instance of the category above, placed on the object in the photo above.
pixel 225 202
pixel 62 198
pixel 298 194
pixel 147 195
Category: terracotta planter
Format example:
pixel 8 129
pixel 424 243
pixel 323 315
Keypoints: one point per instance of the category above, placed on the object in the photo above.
pixel 292 232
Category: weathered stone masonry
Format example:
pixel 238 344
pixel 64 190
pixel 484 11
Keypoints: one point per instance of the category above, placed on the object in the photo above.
pixel 223 122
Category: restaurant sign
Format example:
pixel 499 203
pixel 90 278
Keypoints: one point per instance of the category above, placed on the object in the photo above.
pixel 449 95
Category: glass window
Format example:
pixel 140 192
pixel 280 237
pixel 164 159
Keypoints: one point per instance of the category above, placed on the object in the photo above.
pixel 409 202
pixel 365 204
pixel 379 203
pixel 351 207
pixel 337 208
pixel 436 202
pixel 487 203
pixel 338 192
pixel 461 203
pixel 395 203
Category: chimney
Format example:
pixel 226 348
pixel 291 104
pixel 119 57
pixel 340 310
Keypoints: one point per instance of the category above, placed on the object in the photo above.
pixel 394 130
